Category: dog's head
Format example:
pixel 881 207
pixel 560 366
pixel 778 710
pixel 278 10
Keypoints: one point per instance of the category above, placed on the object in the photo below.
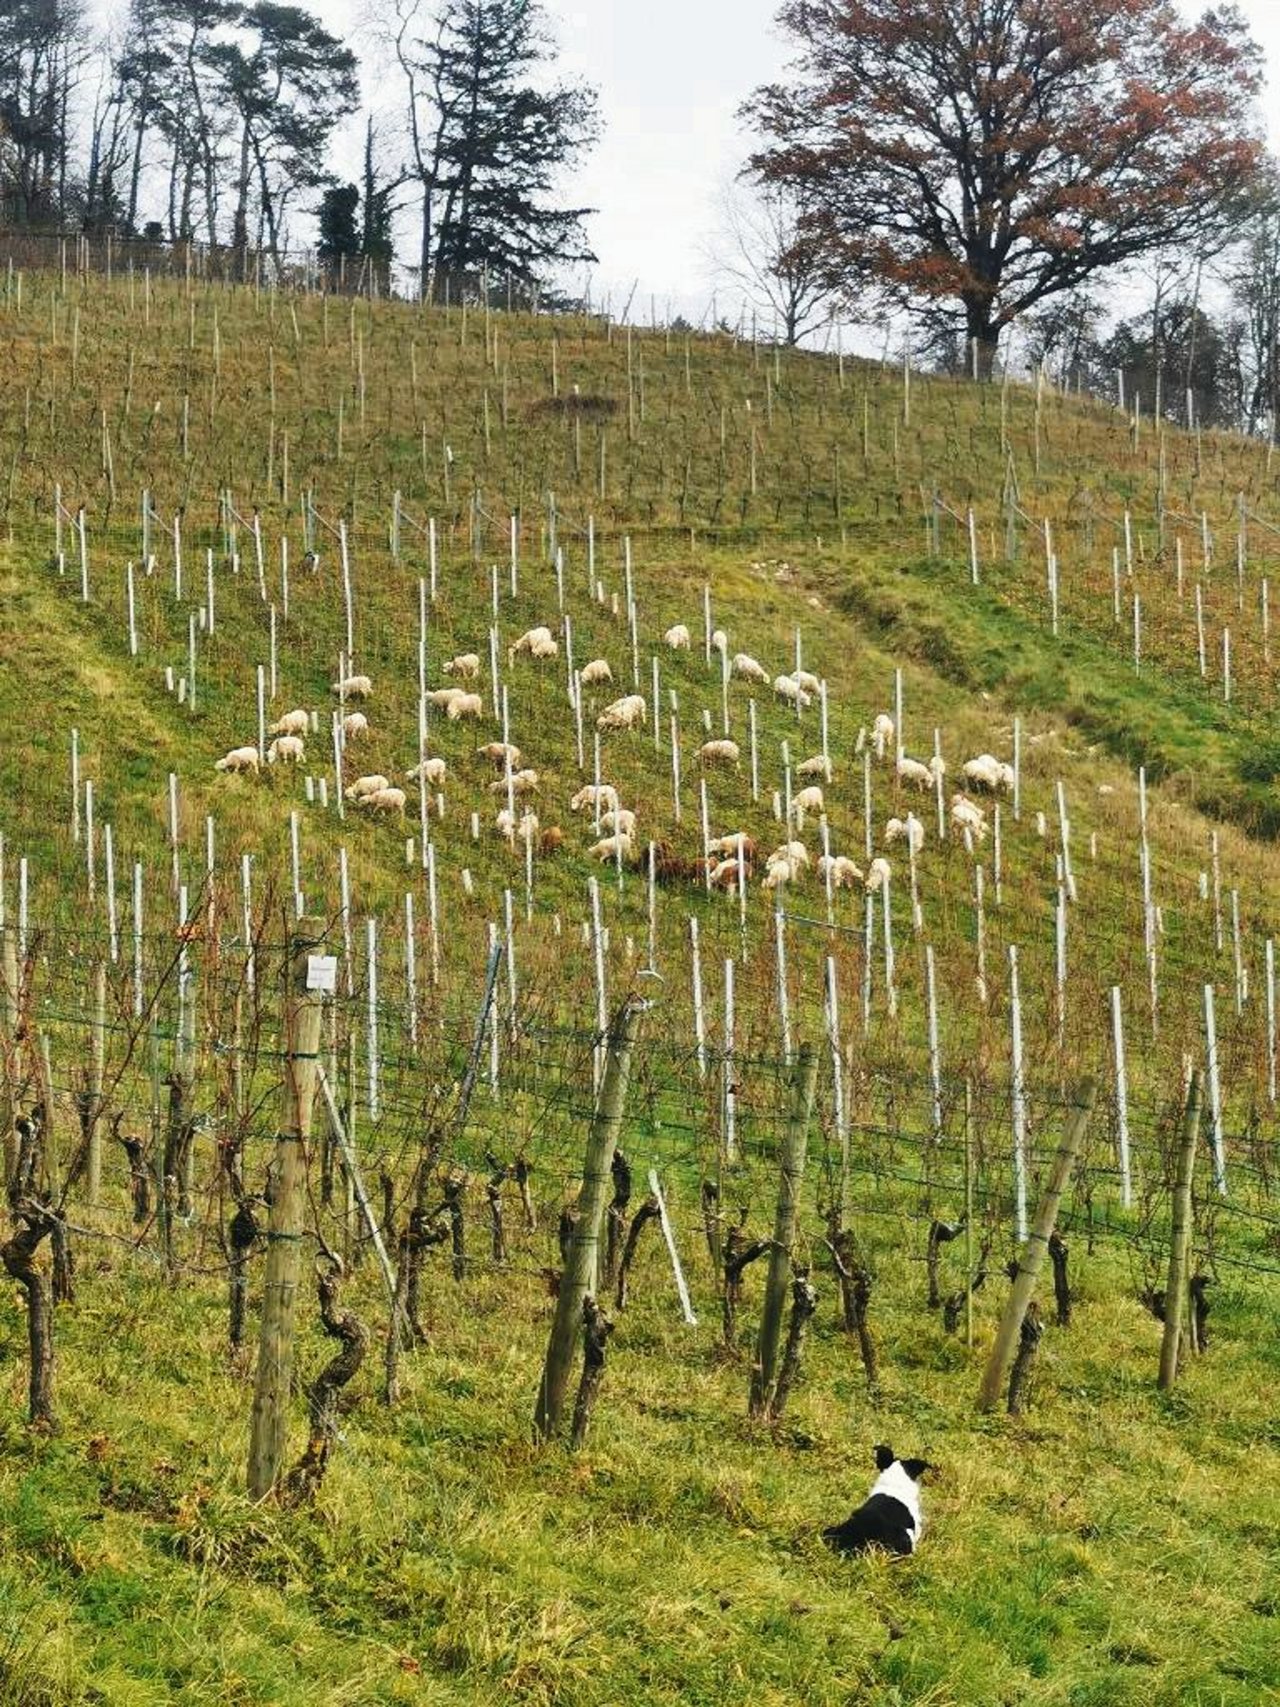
pixel 912 1467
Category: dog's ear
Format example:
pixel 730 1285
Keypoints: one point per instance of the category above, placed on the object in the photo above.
pixel 884 1457
pixel 916 1467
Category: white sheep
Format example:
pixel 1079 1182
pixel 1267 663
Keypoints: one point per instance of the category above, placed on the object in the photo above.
pixel 286 749
pixel 500 752
pixel 720 642
pixel 353 687
pixel 748 668
pixel 525 828
pixel 386 800
pixel 843 872
pixel 621 820
pixel 909 830
pixel 522 782
pixel 987 772
pixel 720 752
pixel 443 698
pixel 914 772
pixel 805 801
pixel 790 690
pixel 793 851
pixel 780 871
pixel 239 759
pixel 882 733
pixel 677 638
pixel 610 847
pixel 465 705
pixel 810 683
pixel 292 723
pixel 536 643
pixel 596 672
pixel 624 713
pixel 818 766
pixel 466 666
pixel 431 771
pixel 364 785
pixel 353 724
pixel 878 874
pixel 966 814
pixel 739 844
pixel 602 794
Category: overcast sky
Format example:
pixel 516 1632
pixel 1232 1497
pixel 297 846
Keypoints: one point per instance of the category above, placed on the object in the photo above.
pixel 671 76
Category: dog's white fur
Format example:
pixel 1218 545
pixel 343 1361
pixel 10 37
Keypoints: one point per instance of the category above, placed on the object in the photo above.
pixel 898 1485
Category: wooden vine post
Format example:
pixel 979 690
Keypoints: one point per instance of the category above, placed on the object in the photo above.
pixel 764 1375
pixel 304 1002
pixel 9 1044
pixel 1008 1334
pixel 581 1261
pixel 1175 1297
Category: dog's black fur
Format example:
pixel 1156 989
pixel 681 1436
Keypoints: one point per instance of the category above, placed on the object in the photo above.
pixel 883 1519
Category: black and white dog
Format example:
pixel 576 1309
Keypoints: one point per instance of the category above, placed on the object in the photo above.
pixel 890 1515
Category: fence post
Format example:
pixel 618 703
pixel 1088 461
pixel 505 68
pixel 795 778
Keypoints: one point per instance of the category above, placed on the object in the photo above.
pixel 8 1067
pixel 1175 1297
pixel 580 1267
pixel 302 1017
pixel 765 1373
pixel 1032 1259
pixel 93 1112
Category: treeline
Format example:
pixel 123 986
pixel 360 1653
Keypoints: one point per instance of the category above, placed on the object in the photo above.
pixel 213 122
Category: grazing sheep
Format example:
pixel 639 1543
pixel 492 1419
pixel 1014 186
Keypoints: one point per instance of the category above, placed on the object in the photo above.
pixel 621 820
pixel 292 723
pixel 745 665
pixel 734 846
pixel 987 773
pixel 551 840
pixel 466 666
pixel 609 847
pixel 882 733
pixel 808 682
pixel 913 772
pixel 721 752
pixel 878 874
pixel 805 801
pixel 790 690
pixel 843 872
pixel 443 698
pixel 286 749
pixel 522 782
pixel 818 766
pixel 909 830
pixel 353 687
pixel 525 829
pixel 536 643
pixel 353 724
pixel 239 759
pixel 365 785
pixel 731 874
pixel 720 641
pixel 677 638
pixel 595 672
pixel 966 814
pixel 431 771
pixel 465 705
pixel 624 713
pixel 385 800
pixel 780 871
pixel 794 851
pixel 500 752
pixel 603 794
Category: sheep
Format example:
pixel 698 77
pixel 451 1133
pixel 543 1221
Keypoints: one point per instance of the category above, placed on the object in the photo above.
pixel 878 874
pixel 730 874
pixel 908 829
pixel 292 723
pixel 385 800
pixel 780 871
pixel 610 847
pixel 720 642
pixel 602 794
pixel 745 665
pixel 443 698
pixel 987 773
pixel 465 705
pixel 805 801
pixel 621 820
pixel 734 846
pixel 551 840
pixel 966 814
pixel 466 666
pixel 525 829
pixel 789 690
pixel 352 687
pixel 595 672
pixel 366 785
pixel 818 766
pixel 624 713
pixel 677 638
pixel 239 759
pixel 794 851
pixel 522 782
pixel 913 772
pixel 882 733
pixel 500 752
pixel 722 752
pixel 430 771
pixel 536 643
pixel 843 873
pixel 807 682
pixel 286 749
pixel 353 724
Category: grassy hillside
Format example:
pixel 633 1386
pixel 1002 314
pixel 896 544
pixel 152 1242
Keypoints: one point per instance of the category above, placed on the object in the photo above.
pixel 1097 1550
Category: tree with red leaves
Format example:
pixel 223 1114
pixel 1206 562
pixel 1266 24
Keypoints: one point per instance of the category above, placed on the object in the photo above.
pixel 993 153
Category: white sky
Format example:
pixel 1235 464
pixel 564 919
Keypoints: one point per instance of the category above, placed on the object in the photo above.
pixel 671 75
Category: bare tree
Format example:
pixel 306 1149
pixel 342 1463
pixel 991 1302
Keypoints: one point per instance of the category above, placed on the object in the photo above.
pixel 760 251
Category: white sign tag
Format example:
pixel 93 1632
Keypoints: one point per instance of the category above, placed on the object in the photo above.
pixel 322 972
